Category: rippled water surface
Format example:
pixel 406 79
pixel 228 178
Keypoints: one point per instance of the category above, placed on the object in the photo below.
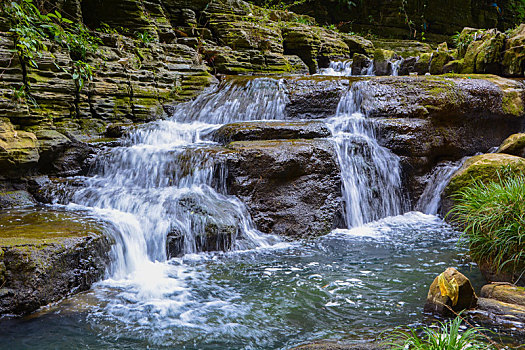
pixel 351 284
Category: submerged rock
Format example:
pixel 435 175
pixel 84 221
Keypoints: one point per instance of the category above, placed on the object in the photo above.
pixel 15 199
pixel 47 255
pixel 213 228
pixel 291 187
pixel 271 130
pixel 450 290
pixel 336 345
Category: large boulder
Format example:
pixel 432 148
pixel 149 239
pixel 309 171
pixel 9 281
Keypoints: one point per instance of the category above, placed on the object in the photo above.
pixel 428 119
pixel 291 187
pixel 450 292
pixel 47 255
pixel 484 168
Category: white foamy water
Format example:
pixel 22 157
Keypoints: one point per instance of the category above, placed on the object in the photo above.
pixel 430 200
pixel 164 181
pixel 371 174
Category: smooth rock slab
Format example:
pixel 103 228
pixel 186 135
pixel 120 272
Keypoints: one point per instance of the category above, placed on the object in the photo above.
pixel 271 130
pixel 46 255
pixel 504 292
pixel 503 303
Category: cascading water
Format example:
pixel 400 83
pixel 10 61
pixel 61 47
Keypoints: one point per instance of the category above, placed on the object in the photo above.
pixel 396 65
pixel 344 68
pixel 160 182
pixel 370 173
pixel 430 200
pixel 338 68
pixel 163 180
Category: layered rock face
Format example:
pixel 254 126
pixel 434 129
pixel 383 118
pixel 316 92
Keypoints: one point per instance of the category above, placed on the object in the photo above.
pixel 435 20
pixel 151 54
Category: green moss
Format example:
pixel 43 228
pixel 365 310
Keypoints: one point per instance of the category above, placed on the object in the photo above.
pixel 42 227
pixel 485 168
pixel 512 103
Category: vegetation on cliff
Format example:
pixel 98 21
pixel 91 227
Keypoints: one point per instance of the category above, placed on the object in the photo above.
pixel 35 30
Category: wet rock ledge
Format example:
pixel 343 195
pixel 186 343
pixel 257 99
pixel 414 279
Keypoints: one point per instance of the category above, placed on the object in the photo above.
pixel 46 255
pixel 286 173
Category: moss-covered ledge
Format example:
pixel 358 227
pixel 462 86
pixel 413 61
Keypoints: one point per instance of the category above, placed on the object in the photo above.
pixel 46 255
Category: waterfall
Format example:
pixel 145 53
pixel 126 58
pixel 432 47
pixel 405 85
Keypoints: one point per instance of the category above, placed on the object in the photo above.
pixel 338 68
pixel 370 173
pixel 162 181
pixel 396 65
pixel 430 200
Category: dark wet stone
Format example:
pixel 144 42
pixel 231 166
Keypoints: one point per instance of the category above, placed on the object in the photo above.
pixel 271 130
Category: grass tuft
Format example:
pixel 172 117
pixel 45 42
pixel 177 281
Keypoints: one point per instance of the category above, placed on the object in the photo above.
pixel 492 216
pixel 449 336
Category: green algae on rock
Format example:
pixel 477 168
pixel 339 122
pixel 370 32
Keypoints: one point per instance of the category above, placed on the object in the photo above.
pixel 484 168
pixel 513 145
pixel 48 255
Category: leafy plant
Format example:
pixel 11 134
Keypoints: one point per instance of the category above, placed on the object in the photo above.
pixel 493 217
pixel 145 37
pixel 34 30
pixel 449 336
pixel 20 95
pixel 82 72
pixel 303 20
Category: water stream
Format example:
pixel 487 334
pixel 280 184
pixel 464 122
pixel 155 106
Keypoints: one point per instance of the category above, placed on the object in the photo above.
pixel 371 174
pixel 430 200
pixel 265 293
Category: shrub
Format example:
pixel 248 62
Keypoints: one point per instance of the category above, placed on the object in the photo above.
pixel 448 337
pixel 492 216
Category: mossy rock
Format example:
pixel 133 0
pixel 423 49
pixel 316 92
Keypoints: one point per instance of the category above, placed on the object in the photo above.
pixel 513 145
pixel 48 255
pixel 485 168
pixel 513 60
pixel 422 65
pixel 438 62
